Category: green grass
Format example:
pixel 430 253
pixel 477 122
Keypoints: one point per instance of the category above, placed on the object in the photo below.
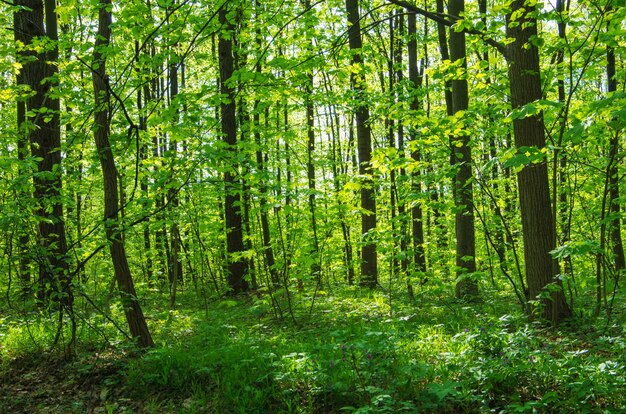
pixel 354 353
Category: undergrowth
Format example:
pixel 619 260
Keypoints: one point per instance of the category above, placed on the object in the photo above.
pixel 355 353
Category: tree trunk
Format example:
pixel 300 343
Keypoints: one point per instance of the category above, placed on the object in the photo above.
pixel 310 122
pixel 614 203
pixel 176 265
pixel 44 133
pixel 466 287
pixel 22 153
pixel 143 97
pixel 417 219
pixel 534 191
pixel 369 266
pixel 114 233
pixel 237 265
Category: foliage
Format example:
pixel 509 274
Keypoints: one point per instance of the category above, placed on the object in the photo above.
pixel 304 338
pixel 356 354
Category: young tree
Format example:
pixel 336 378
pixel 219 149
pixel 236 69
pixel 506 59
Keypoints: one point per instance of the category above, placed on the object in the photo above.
pixel 614 196
pixel 310 131
pixel 114 231
pixel 415 78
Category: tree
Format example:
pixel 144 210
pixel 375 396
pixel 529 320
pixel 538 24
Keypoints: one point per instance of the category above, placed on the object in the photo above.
pixel 44 131
pixel 614 203
pixel 467 286
pixel 310 130
pixel 534 192
pixel 237 265
pixel 415 77
pixel 114 230
pixel 369 266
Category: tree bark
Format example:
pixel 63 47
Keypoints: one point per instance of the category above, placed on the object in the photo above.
pixel 44 132
pixel 369 266
pixel 175 264
pixel 534 192
pixel 466 287
pixel 114 232
pixel 614 193
pixel 417 216
pixel 237 265
pixel 22 152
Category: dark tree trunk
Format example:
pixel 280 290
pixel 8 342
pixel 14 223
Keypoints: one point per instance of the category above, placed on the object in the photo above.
pixel 369 266
pixel 176 265
pixel 417 219
pixel 466 287
pixel 394 50
pixel 143 97
pixel 445 55
pixel 237 265
pixel 310 117
pixel 114 233
pixel 399 193
pixel 614 203
pixel 534 191
pixel 22 153
pixel 44 132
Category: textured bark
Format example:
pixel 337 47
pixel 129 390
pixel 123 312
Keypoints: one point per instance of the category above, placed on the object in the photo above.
pixel 369 266
pixel 614 204
pixel 466 287
pixel 534 191
pixel 22 152
pixel 44 133
pixel 237 266
pixel 114 233
pixel 417 222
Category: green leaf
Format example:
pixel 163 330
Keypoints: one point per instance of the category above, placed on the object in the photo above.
pixel 576 248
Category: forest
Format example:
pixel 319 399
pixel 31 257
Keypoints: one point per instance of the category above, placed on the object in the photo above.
pixel 312 206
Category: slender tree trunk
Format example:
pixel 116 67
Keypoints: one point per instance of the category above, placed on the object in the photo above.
pixel 237 265
pixel 22 152
pixel 114 232
pixel 268 250
pixel 498 233
pixel 466 287
pixel 417 216
pixel 310 122
pixel 614 193
pixel 391 136
pixel 534 191
pixel 338 168
pixel 143 99
pixel 176 265
pixel 369 266
pixel 399 189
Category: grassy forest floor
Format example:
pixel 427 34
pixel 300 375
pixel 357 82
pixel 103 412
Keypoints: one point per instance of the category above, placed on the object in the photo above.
pixel 342 351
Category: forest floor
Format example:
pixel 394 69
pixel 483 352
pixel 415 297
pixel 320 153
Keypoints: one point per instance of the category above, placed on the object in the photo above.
pixel 352 352
pixel 55 384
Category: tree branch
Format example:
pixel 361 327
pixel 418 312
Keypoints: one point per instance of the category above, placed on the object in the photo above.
pixel 449 20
